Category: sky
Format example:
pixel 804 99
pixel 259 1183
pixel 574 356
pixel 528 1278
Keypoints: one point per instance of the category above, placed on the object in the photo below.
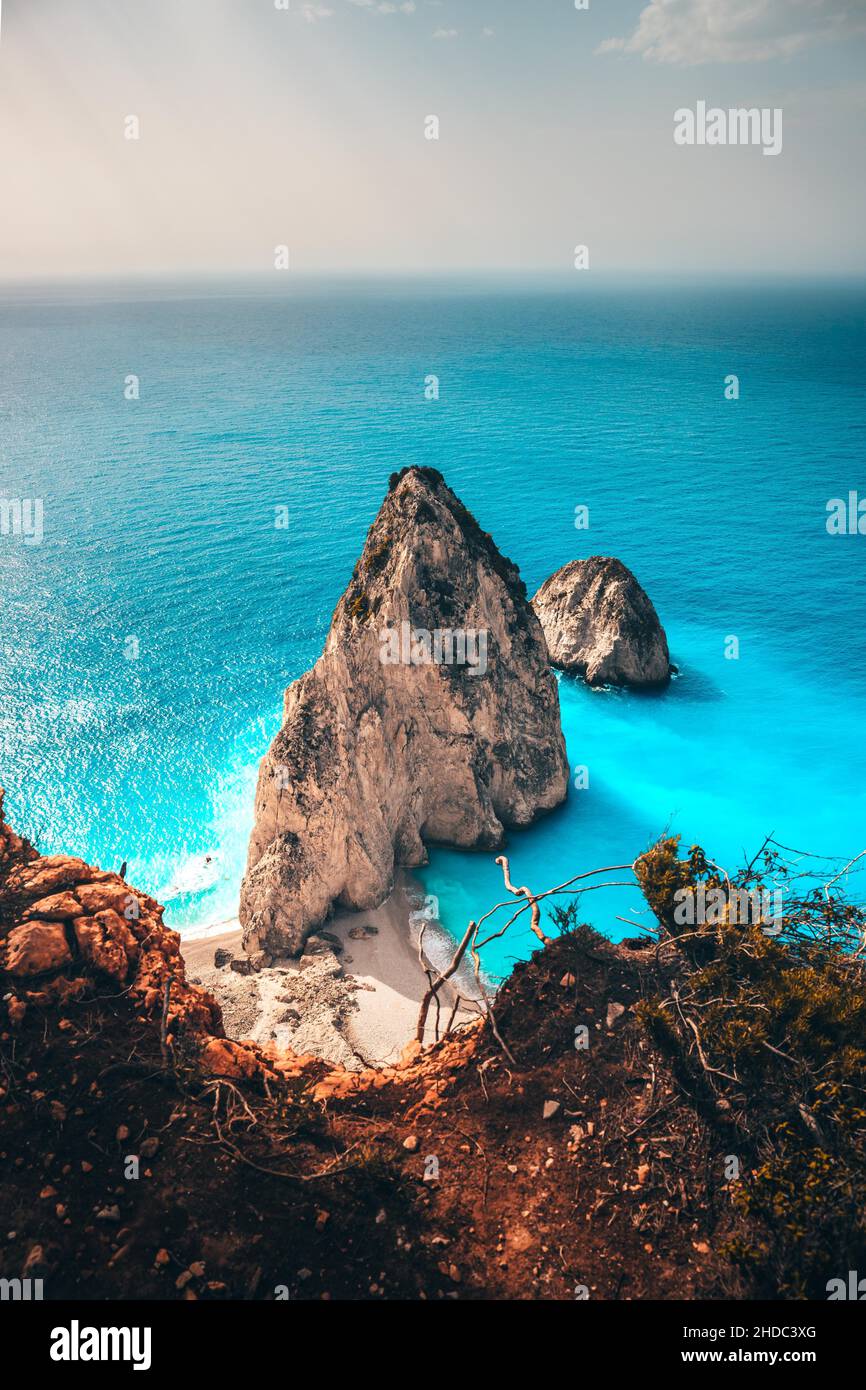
pixel 304 127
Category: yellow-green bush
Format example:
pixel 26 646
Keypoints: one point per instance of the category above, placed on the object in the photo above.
pixel 773 1030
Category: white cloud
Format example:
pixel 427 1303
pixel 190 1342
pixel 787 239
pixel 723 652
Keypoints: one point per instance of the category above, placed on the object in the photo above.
pixel 689 32
pixel 387 6
pixel 311 12
pixel 445 34
pixel 487 33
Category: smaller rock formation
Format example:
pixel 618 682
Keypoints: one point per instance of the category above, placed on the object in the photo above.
pixel 600 624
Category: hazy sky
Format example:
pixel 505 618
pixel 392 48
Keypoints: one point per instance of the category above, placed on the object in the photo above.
pixel 260 127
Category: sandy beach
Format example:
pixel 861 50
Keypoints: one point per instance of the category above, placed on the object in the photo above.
pixel 352 998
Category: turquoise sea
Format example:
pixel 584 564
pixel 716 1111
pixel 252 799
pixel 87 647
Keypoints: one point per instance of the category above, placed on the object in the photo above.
pixel 146 642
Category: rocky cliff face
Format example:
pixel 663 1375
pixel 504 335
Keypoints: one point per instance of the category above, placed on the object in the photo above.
pixel 600 624
pixel 431 715
pixel 68 930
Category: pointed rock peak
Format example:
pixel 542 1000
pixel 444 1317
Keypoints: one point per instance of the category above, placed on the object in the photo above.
pixel 423 526
pixel 600 624
pixel 428 498
pixel 431 715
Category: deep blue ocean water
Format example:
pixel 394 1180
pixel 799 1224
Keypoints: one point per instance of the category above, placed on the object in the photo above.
pixel 159 527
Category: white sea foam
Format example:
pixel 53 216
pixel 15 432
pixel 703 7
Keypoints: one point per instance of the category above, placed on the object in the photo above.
pixel 194 874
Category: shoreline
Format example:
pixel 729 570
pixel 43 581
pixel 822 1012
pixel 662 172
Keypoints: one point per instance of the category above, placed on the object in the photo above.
pixel 352 998
pixel 209 931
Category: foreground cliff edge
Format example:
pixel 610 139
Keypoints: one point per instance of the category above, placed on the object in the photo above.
pixel 146 1156
pixel 432 715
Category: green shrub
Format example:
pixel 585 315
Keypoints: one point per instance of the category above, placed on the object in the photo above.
pixel 774 1029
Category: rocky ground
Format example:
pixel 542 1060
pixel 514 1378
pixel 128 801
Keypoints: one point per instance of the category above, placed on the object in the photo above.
pixel 147 1156
pixel 465 1174
pixel 580 1149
